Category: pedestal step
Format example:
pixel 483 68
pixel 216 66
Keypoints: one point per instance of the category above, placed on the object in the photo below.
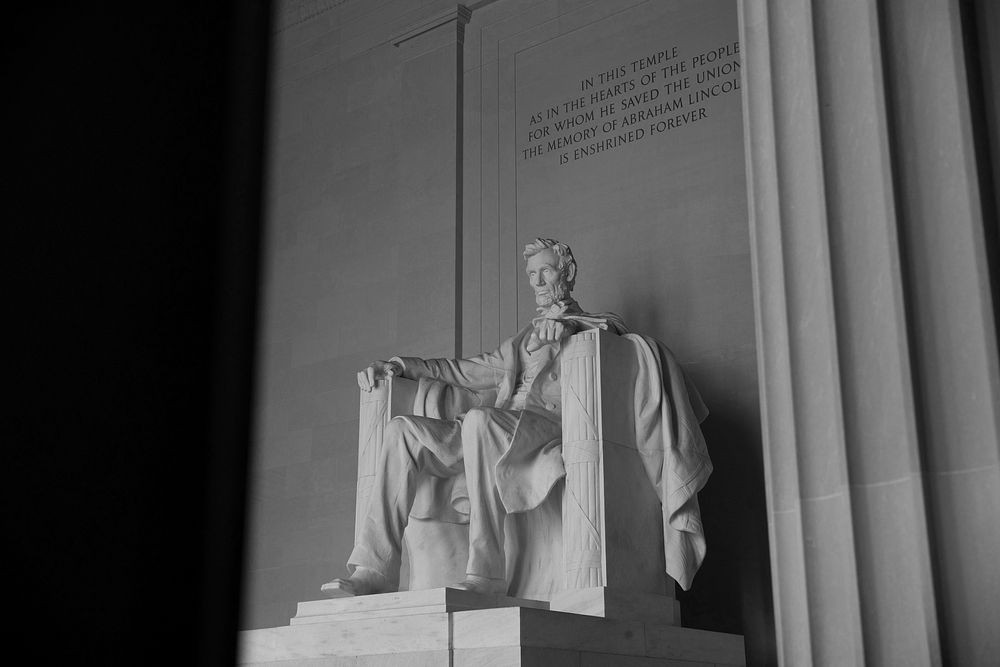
pixel 491 637
pixel 404 603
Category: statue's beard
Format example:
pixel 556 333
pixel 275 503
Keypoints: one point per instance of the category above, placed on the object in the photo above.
pixel 550 295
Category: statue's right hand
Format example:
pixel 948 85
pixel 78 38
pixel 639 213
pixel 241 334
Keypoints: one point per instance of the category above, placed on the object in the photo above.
pixel 378 370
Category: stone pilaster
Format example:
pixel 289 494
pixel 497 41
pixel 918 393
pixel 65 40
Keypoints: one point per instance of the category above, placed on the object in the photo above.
pixel 431 158
pixel 952 327
pixel 877 352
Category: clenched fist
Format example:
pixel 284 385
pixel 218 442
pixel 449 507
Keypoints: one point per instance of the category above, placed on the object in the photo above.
pixel 548 331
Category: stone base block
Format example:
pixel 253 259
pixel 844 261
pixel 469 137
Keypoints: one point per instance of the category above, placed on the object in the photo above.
pixel 610 603
pixel 490 637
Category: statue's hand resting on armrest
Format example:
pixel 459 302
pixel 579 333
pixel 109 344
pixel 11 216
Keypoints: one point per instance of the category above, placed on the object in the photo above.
pixel 378 370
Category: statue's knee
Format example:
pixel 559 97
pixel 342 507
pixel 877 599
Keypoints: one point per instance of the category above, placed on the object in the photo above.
pixel 476 420
pixel 395 435
pixel 481 439
pixel 394 429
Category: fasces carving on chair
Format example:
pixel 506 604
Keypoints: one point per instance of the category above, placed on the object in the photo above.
pixel 582 515
pixel 565 461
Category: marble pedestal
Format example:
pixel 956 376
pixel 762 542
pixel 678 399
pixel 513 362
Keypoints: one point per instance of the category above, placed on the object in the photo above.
pixel 448 627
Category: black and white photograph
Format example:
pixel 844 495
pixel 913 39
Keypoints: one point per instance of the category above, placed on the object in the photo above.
pixel 583 333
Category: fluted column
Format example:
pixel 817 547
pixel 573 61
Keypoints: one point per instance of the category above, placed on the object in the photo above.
pixel 856 553
pixel 953 333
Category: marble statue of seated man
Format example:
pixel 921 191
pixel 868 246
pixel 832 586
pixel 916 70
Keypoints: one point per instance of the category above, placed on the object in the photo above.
pixel 517 440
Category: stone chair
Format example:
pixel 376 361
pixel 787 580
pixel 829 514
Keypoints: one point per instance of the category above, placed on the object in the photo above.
pixel 595 546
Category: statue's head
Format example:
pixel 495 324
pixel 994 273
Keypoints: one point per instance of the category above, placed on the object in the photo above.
pixel 551 270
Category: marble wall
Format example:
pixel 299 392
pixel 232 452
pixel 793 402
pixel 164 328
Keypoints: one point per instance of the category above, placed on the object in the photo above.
pixel 358 264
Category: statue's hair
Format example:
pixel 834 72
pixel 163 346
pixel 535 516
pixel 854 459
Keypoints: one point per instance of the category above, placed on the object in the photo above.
pixel 561 250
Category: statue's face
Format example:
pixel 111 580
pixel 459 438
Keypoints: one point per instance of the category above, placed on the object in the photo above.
pixel 545 278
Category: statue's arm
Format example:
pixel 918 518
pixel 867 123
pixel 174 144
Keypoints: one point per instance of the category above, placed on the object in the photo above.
pixel 484 371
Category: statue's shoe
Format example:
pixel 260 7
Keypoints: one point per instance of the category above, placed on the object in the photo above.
pixel 484 585
pixel 339 588
pixel 362 582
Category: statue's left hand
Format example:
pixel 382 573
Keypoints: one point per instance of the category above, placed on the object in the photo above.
pixel 548 331
pixel 551 331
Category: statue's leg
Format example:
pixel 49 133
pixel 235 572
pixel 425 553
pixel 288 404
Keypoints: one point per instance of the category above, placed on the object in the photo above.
pixel 411 447
pixel 486 435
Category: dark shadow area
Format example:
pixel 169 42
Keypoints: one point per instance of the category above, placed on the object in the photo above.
pixel 132 211
pixel 732 592
pixel 982 63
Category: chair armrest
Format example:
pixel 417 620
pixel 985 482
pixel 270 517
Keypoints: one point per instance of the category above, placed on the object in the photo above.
pixel 388 398
pixel 606 483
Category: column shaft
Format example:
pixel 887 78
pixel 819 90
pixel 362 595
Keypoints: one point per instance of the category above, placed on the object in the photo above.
pixel 876 340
